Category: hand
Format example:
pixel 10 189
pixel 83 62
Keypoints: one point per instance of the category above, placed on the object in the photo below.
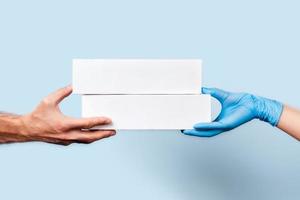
pixel 48 124
pixel 237 109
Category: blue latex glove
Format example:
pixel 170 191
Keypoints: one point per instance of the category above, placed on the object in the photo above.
pixel 237 109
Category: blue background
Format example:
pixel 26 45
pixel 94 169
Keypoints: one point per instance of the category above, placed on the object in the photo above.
pixel 248 46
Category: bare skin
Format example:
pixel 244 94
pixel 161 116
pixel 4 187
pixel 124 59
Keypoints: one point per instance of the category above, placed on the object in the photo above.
pixel 290 122
pixel 48 124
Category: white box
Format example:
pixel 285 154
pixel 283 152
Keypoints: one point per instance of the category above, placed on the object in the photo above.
pixel 148 112
pixel 137 76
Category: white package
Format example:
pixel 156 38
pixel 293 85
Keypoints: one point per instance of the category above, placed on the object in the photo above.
pixel 137 76
pixel 148 112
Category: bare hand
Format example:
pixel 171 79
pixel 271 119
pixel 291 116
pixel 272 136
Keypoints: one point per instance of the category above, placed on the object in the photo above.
pixel 48 124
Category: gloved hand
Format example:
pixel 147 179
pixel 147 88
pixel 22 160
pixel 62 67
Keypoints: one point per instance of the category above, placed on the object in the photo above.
pixel 237 109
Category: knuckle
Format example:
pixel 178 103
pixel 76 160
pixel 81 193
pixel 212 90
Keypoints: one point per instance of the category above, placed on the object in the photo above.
pixel 104 120
pixel 90 124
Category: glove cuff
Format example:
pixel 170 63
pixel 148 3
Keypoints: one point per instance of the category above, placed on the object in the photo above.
pixel 269 110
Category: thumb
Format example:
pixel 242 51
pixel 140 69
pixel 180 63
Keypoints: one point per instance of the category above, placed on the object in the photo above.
pixel 219 94
pixel 57 96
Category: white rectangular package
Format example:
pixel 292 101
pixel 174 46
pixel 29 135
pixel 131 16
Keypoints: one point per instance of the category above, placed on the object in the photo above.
pixel 137 76
pixel 148 112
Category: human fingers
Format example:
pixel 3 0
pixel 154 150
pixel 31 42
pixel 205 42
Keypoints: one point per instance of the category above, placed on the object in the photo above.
pixel 209 133
pixel 87 123
pixel 56 97
pixel 219 94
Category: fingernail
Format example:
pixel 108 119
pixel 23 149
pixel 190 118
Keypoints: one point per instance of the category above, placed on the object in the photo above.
pixel 113 133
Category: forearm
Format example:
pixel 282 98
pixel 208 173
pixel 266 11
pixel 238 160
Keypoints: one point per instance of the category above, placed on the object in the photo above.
pixel 11 128
pixel 290 122
pixel 46 123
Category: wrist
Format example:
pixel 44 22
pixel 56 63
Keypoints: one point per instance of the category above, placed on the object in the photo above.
pixel 23 126
pixel 268 110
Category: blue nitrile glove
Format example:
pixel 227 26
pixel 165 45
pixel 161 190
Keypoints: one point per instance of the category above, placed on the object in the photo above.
pixel 237 109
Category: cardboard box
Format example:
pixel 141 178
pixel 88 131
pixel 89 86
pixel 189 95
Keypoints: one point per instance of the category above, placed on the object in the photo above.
pixel 148 112
pixel 137 76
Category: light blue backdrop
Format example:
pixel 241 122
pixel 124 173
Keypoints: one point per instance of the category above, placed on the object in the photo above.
pixel 245 45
